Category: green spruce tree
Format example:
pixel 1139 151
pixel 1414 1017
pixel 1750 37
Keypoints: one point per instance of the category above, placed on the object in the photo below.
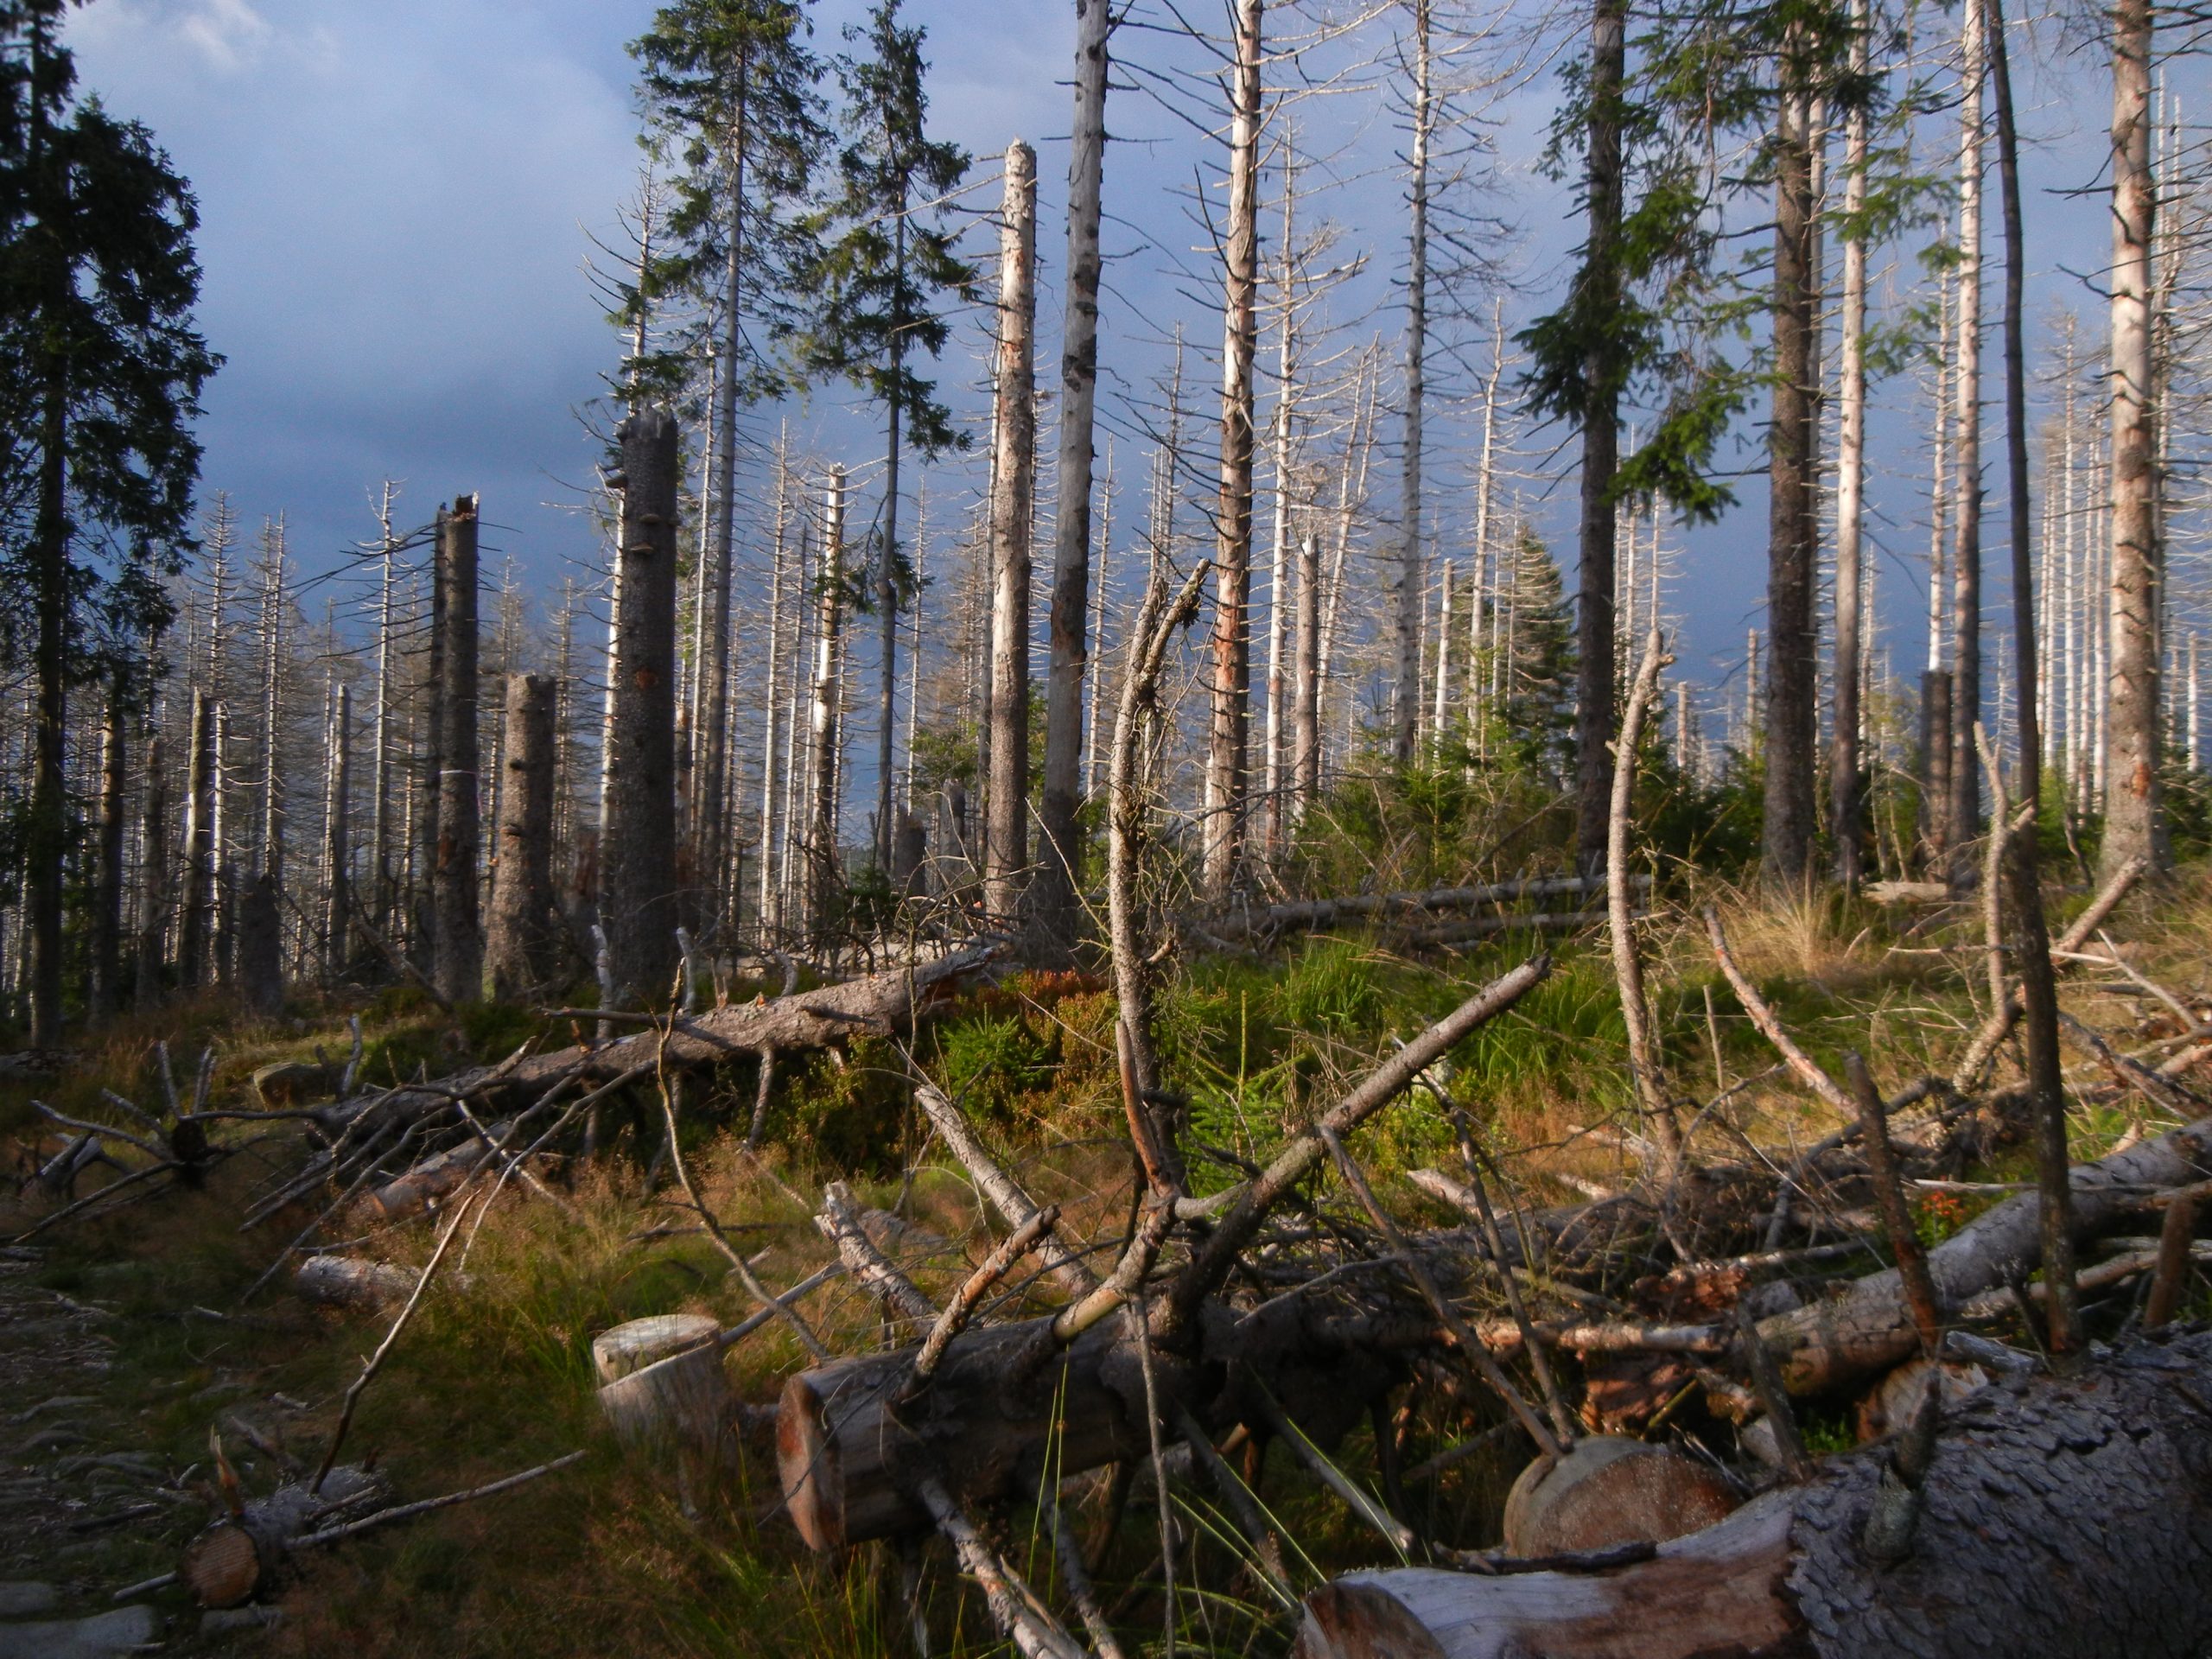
pixel 885 266
pixel 100 374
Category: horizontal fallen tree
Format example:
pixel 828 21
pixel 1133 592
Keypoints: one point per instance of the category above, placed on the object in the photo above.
pixel 876 1004
pixel 1254 923
pixel 2065 1517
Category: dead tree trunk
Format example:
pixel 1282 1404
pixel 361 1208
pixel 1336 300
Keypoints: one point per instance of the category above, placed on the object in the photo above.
pixel 154 869
pixel 1014 466
pixel 1962 815
pixel 2079 1510
pixel 1599 283
pixel 522 936
pixel 1845 818
pixel 1405 710
pixel 824 869
pixel 638 906
pixel 1060 853
pixel 1306 689
pixel 196 903
pixel 2133 826
pixel 1227 760
pixel 338 884
pixel 107 914
pixel 457 939
pixel 1786 851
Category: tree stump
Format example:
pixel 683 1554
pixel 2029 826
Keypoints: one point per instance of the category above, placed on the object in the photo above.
pixel 663 1389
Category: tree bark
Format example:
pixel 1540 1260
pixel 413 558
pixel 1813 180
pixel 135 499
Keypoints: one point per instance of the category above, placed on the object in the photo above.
pixel 2076 1509
pixel 1059 856
pixel 1789 821
pixel 1006 841
pixel 824 874
pixel 1306 688
pixel 2134 824
pixel 1963 816
pixel 456 931
pixel 637 907
pixel 155 869
pixel 337 883
pixel 2022 870
pixel 1599 281
pixel 1227 742
pixel 1846 818
pixel 195 904
pixel 1406 611
pixel 106 997
pixel 523 935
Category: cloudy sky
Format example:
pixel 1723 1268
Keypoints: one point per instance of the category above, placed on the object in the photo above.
pixel 397 198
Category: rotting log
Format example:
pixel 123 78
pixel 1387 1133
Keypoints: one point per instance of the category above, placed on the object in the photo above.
pixel 2071 1517
pixel 1870 1327
pixel 874 1005
pixel 350 1281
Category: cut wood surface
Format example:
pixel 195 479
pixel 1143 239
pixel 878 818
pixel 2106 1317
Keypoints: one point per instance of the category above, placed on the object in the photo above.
pixel 237 1558
pixel 2070 1519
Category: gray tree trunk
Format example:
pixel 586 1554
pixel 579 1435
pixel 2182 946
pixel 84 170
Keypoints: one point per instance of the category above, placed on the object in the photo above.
pixel 1060 853
pixel 261 944
pixel 153 875
pixel 1790 824
pixel 1411 584
pixel 522 935
pixel 1006 845
pixel 638 903
pixel 1228 759
pixel 1844 815
pixel 196 903
pixel 1962 817
pixel 824 875
pixel 107 914
pixel 457 938
pixel 2133 816
pixel 337 851
pixel 1599 280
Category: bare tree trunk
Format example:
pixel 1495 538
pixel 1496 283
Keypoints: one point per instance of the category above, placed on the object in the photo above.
pixel 1279 555
pixel 1228 761
pixel 1844 763
pixel 1786 852
pixel 107 915
pixel 638 903
pixel 1412 584
pixel 2134 826
pixel 154 872
pixel 1059 855
pixel 1963 816
pixel 337 886
pixel 708 813
pixel 2038 986
pixel 195 908
pixel 1599 298
pixel 380 762
pixel 1479 685
pixel 523 928
pixel 824 877
pixel 771 712
pixel 457 939
pixel 1306 694
pixel 1005 844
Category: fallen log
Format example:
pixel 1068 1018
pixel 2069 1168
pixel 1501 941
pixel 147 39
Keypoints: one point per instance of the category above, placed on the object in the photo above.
pixel 237 1557
pixel 350 1281
pixel 2071 1517
pixel 876 1004
pixel 1870 1327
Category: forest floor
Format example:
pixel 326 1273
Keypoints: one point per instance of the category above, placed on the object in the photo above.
pixel 128 1344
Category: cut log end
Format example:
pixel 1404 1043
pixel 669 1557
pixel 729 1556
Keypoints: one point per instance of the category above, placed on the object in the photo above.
pixel 1609 1491
pixel 806 1456
pixel 222 1567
